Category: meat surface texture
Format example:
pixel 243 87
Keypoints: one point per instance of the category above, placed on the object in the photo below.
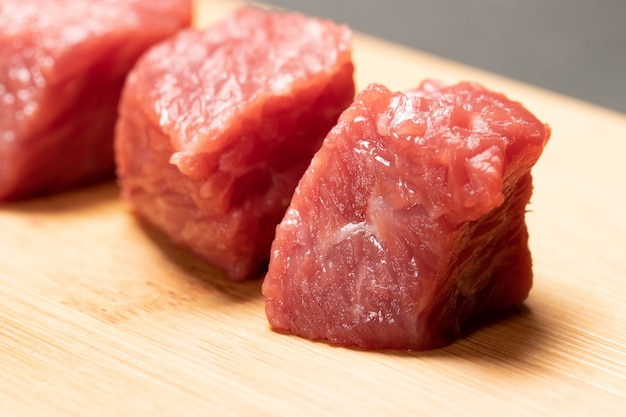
pixel 409 221
pixel 62 67
pixel 217 126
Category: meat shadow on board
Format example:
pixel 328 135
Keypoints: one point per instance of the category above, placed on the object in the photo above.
pixel 73 199
pixel 504 338
pixel 196 267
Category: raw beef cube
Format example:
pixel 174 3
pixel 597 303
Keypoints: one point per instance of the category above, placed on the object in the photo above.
pixel 62 67
pixel 409 221
pixel 217 127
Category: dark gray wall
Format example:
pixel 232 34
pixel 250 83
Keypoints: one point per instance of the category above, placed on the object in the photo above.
pixel 575 47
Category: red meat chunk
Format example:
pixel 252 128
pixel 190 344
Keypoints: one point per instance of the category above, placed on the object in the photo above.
pixel 217 127
pixel 62 67
pixel 409 221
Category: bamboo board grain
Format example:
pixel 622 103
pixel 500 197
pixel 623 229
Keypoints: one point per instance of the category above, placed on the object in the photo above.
pixel 103 316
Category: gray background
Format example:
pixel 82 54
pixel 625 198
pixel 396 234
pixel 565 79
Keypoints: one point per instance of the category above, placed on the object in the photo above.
pixel 575 47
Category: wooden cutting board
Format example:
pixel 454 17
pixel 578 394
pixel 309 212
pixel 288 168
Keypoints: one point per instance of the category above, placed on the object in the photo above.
pixel 103 316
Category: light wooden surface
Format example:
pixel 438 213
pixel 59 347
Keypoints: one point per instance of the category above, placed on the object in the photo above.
pixel 102 316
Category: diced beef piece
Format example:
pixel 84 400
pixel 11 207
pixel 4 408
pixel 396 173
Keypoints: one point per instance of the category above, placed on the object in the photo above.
pixel 62 67
pixel 217 127
pixel 410 220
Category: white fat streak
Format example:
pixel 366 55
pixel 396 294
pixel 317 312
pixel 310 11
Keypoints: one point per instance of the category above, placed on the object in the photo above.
pixel 351 228
pixel 382 160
